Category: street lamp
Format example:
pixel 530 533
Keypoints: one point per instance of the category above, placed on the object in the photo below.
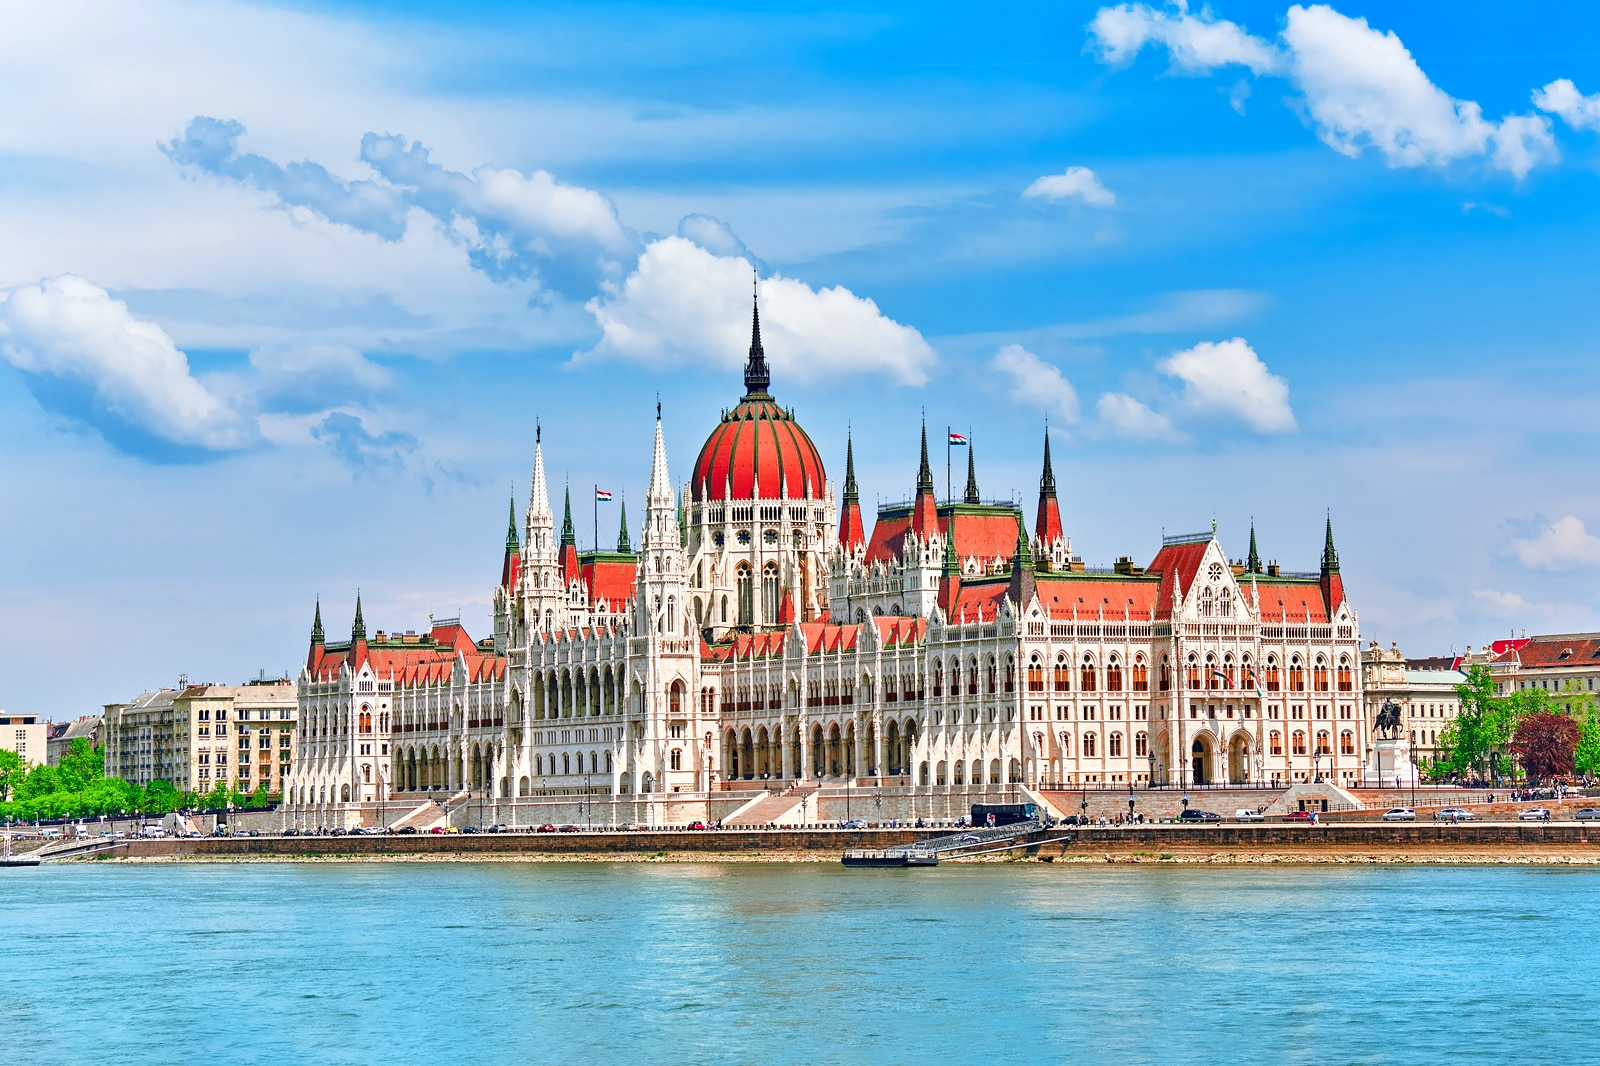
pixel 1150 782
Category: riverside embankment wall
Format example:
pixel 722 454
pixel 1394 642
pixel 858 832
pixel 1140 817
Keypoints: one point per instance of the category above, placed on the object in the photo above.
pixel 1571 837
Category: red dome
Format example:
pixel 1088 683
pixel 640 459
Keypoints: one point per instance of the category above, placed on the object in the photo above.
pixel 758 442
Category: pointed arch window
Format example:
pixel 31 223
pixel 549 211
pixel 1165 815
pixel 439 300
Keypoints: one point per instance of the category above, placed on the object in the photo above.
pixel 1113 675
pixel 769 593
pixel 1205 602
pixel 743 581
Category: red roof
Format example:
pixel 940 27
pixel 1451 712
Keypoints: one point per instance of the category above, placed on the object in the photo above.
pixel 1061 594
pixel 851 530
pixel 1551 653
pixel 611 580
pixel 982 532
pixel 899 629
pixel 1177 563
pixel 758 443
pixel 409 663
pixel 1292 603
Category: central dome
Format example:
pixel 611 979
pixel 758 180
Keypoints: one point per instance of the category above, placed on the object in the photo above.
pixel 758 449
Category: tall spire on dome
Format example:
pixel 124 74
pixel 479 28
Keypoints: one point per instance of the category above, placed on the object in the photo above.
pixel 925 509
pixel 971 495
pixel 358 631
pixel 852 492
pixel 756 375
pixel 1330 557
pixel 317 636
pixel 1252 562
pixel 622 529
pixel 539 490
pixel 1047 480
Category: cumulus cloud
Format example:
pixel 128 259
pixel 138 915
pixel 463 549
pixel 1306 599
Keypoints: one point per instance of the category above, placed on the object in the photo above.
pixel 1036 382
pixel 1128 417
pixel 1228 378
pixel 1075 182
pixel 716 237
pixel 86 356
pixel 1197 44
pixel 311 376
pixel 1560 545
pixel 1561 97
pixel 1360 87
pixel 513 226
pixel 683 304
pixel 364 452
pixel 1506 603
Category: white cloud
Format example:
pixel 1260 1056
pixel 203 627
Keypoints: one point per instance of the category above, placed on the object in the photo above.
pixel 1036 382
pixel 89 358
pixel 1077 182
pixel 1360 87
pixel 1561 97
pixel 312 376
pixel 1196 43
pixel 1128 417
pixel 1505 603
pixel 1561 544
pixel 1227 377
pixel 684 304
pixel 1363 89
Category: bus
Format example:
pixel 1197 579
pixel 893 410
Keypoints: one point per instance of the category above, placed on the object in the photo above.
pixel 1003 813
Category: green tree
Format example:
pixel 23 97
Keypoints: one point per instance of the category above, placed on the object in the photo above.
pixel 1544 743
pixel 12 771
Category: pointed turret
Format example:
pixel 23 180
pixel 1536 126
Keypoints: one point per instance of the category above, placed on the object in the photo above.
pixel 1252 562
pixel 569 541
pixel 757 377
pixel 511 567
pixel 663 582
pixel 852 533
pixel 1332 583
pixel 358 631
pixel 623 544
pixel 317 638
pixel 925 514
pixel 1047 521
pixel 971 495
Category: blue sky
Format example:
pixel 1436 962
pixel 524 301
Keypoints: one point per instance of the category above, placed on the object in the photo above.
pixel 287 287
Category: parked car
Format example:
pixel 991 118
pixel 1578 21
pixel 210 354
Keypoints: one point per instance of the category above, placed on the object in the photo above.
pixel 1194 814
pixel 1399 814
pixel 470 829
pixel 1587 814
pixel 1249 814
pixel 498 828
pixel 438 830
pixel 546 828
pixel 291 832
pixel 697 825
pixel 854 823
pixel 1453 814
pixel 1533 814
pixel 406 830
pixel 569 829
pixel 1300 816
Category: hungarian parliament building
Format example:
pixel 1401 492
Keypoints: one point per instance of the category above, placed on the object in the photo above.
pixel 759 636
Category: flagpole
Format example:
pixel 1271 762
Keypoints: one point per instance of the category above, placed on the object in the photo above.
pixel 946 464
pixel 597 518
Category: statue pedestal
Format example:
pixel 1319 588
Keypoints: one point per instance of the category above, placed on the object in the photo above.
pixel 1390 765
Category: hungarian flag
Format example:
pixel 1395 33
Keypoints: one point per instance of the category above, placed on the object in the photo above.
pixel 1227 682
pixel 958 440
pixel 602 495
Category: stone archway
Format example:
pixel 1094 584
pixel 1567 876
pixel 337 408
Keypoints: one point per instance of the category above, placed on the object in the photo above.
pixel 1239 759
pixel 1202 761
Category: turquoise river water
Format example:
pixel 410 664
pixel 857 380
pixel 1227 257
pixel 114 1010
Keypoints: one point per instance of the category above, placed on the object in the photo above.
pixel 665 963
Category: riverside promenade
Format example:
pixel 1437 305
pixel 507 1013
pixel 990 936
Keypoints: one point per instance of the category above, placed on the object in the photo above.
pixel 1345 841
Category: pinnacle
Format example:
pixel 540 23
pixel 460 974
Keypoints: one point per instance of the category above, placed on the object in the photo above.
pixel 852 493
pixel 924 472
pixel 1047 480
pixel 971 495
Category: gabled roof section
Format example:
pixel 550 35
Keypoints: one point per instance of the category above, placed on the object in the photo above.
pixel 984 531
pixel 899 630
pixel 1556 652
pixel 609 576
pixel 1091 595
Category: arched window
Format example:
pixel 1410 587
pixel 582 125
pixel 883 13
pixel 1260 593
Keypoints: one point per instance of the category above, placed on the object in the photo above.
pixel 1011 674
pixel 724 608
pixel 1323 747
pixel 1087 675
pixel 972 677
pixel 675 760
pixel 1113 675
pixel 1299 746
pixel 1347 743
pixel 1320 676
pixel 1088 745
pixel 1166 675
pixel 1114 745
pixel 1272 673
pixel 938 677
pixel 1141 675
pixel 1063 678
pixel 1346 682
pixel 1141 744
pixel 1275 742
pixel 1212 680
pixel 1224 603
pixel 769 593
pixel 1297 676
pixel 991 675
pixel 1191 672
pixel 1205 602
pixel 742 585
pixel 1035 675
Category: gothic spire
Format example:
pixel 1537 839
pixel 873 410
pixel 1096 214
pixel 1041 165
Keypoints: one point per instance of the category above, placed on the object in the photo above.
pixel 971 495
pixel 756 375
pixel 852 492
pixel 1047 480
pixel 1330 557
pixel 1252 562
pixel 568 535
pixel 622 532
pixel 358 631
pixel 512 543
pixel 924 472
pixel 316 624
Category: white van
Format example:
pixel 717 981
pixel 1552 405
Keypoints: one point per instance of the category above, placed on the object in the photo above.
pixel 153 831
pixel 1248 814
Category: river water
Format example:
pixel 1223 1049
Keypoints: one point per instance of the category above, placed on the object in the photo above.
pixel 668 963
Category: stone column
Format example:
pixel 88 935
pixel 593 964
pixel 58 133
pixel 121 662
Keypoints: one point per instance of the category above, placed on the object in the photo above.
pixel 879 766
